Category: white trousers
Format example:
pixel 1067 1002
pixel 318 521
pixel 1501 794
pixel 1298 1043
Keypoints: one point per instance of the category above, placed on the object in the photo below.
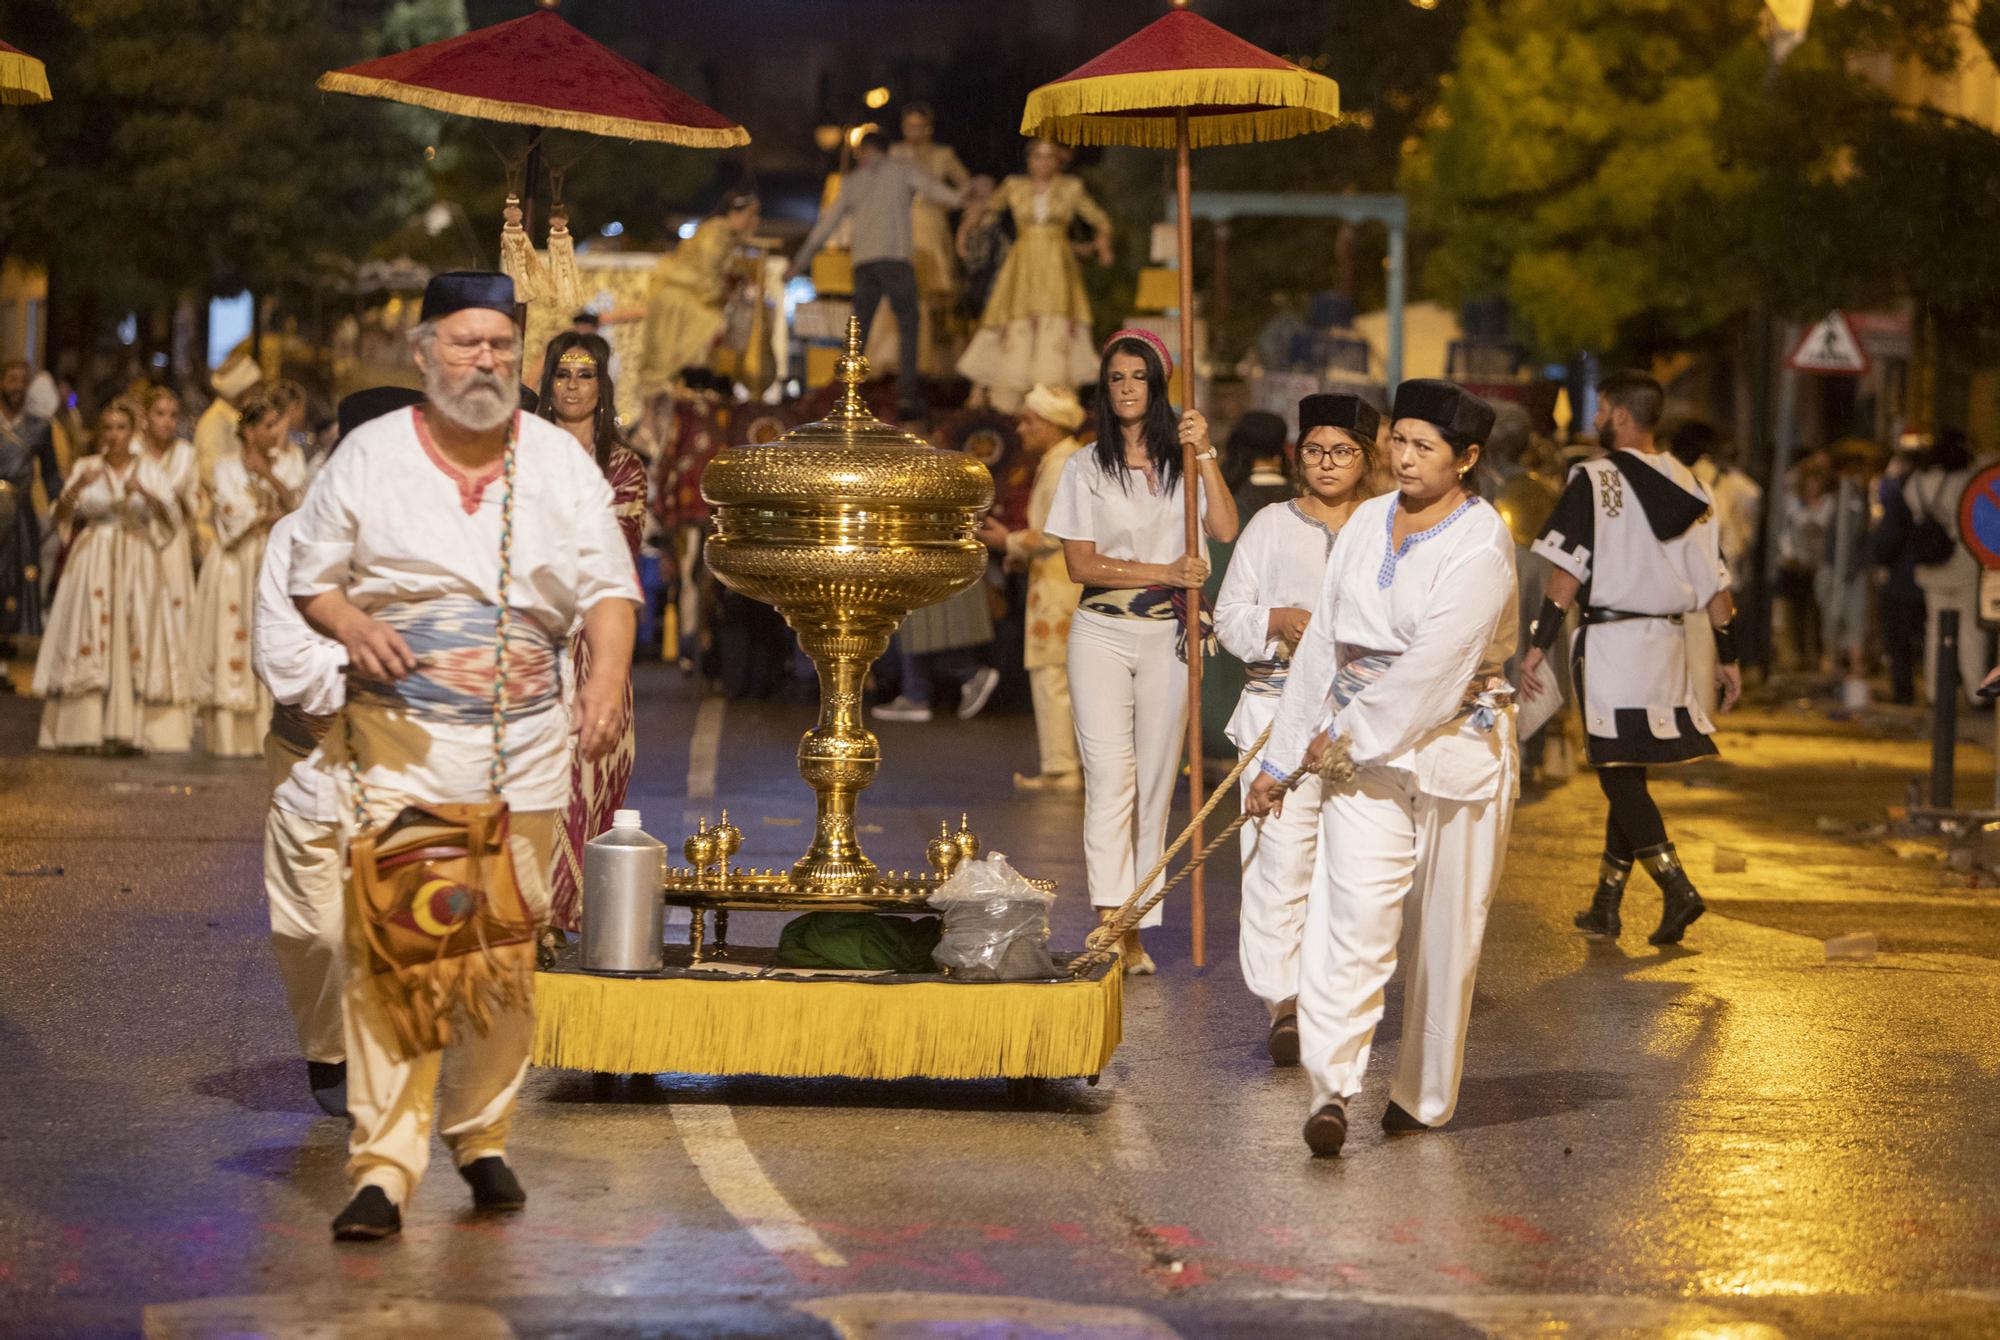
pixel 1129 693
pixel 1055 725
pixel 304 887
pixel 1409 875
pixel 469 1089
pixel 1278 855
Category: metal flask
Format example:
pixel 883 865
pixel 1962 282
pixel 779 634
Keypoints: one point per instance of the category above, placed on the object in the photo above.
pixel 624 920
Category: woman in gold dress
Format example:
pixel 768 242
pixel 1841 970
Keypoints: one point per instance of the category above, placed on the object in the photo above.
pixel 684 306
pixel 1036 328
pixel 931 237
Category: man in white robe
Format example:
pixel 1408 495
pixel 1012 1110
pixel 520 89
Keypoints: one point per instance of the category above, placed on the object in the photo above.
pixel 402 534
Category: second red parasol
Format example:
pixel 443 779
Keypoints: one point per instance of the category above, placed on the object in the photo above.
pixel 1179 83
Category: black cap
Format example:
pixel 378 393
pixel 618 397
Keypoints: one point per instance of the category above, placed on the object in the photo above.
pixel 1347 412
pixel 457 290
pixel 373 403
pixel 1452 408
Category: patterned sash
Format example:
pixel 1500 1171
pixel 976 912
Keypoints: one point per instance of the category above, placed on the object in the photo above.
pixel 454 639
pixel 1153 603
pixel 1266 679
pixel 1483 700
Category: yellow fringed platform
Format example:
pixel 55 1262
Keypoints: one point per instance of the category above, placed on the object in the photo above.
pixel 715 1025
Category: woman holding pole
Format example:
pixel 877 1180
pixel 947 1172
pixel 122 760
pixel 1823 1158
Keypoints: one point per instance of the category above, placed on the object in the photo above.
pixel 1119 514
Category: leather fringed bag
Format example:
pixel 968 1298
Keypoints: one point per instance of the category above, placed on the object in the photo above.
pixel 446 931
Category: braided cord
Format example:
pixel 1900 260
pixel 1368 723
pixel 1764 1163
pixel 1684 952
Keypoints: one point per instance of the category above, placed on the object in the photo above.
pixel 498 771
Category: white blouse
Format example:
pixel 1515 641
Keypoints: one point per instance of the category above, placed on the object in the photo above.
pixel 1279 563
pixel 1122 516
pixel 1444 604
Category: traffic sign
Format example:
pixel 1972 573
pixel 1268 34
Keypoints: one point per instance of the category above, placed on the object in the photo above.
pixel 1830 347
pixel 1979 517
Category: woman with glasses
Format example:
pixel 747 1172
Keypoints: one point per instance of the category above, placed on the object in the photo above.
pixel 1261 614
pixel 1396 689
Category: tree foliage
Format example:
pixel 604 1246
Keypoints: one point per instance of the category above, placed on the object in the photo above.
pixel 1633 174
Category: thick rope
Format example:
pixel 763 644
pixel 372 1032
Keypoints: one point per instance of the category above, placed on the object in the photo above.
pixel 1102 943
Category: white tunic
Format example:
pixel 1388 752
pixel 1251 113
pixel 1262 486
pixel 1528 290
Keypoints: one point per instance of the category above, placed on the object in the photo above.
pixel 390 521
pixel 1599 534
pixel 301 668
pixel 1123 518
pixel 227 592
pixel 1279 563
pixel 1444 604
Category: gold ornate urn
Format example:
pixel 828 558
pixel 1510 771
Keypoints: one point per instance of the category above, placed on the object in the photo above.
pixel 845 526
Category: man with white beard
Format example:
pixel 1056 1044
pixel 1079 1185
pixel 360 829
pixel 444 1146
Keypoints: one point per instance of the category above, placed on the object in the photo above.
pixel 434 536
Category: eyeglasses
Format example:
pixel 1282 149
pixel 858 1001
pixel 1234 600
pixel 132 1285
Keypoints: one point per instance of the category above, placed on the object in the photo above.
pixel 1339 455
pixel 467 351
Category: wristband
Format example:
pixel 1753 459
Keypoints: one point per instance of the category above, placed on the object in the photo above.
pixel 1208 455
pixel 1725 643
pixel 1547 627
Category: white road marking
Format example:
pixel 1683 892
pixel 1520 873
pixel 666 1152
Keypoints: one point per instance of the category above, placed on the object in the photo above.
pixel 738 1182
pixel 1131 1147
pixel 706 749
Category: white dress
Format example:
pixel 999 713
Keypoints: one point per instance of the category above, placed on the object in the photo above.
pixel 112 669
pixel 1279 563
pixel 1413 847
pixel 235 704
pixel 175 478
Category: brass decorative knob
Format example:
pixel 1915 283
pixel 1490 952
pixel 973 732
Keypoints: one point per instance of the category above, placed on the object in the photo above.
pixel 967 843
pixel 944 853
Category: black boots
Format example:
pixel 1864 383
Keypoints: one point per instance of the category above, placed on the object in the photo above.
pixel 1602 916
pixel 1680 905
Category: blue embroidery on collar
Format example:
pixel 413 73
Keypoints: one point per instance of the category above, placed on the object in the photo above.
pixel 1392 553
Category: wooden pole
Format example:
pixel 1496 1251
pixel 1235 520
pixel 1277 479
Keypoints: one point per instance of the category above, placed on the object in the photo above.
pixel 1191 492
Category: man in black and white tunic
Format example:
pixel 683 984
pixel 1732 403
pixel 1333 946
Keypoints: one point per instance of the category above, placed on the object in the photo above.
pixel 1634 539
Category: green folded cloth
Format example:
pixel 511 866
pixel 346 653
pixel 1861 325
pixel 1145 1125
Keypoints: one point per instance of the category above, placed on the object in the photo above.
pixel 865 940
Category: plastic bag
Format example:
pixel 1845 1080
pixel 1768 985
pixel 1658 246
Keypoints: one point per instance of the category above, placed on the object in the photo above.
pixel 996 924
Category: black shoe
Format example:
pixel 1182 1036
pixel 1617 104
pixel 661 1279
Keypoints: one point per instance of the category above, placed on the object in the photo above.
pixel 1680 905
pixel 370 1217
pixel 328 1081
pixel 1283 1042
pixel 1601 917
pixel 1326 1130
pixel 494 1186
pixel 1396 1121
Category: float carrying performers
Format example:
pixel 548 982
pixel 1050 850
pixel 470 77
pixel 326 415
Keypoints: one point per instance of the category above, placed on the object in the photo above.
pixel 1397 690
pixel 1636 544
pixel 1261 615
pixel 435 541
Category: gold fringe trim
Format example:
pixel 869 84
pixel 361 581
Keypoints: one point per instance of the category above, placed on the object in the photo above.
pixel 527 114
pixel 1279 104
pixel 23 79
pixel 862 1030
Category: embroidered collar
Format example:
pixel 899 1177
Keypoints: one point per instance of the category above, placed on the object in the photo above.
pixel 1324 529
pixel 470 488
pixel 1393 553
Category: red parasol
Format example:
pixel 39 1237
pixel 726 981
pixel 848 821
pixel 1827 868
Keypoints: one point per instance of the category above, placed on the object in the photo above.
pixel 1181 82
pixel 539 71
pixel 23 79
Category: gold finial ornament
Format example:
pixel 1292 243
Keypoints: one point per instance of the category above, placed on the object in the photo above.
pixel 968 845
pixel 851 371
pixel 845 526
pixel 943 853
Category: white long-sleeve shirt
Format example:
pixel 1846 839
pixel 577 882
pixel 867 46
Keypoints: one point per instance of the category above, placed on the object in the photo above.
pixel 1444 604
pixel 300 667
pixel 1279 562
pixel 390 521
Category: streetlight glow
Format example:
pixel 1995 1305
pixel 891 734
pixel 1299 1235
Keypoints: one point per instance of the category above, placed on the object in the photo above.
pixel 876 98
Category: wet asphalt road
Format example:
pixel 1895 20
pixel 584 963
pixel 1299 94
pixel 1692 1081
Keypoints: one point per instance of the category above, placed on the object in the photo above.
pixel 1732 1140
